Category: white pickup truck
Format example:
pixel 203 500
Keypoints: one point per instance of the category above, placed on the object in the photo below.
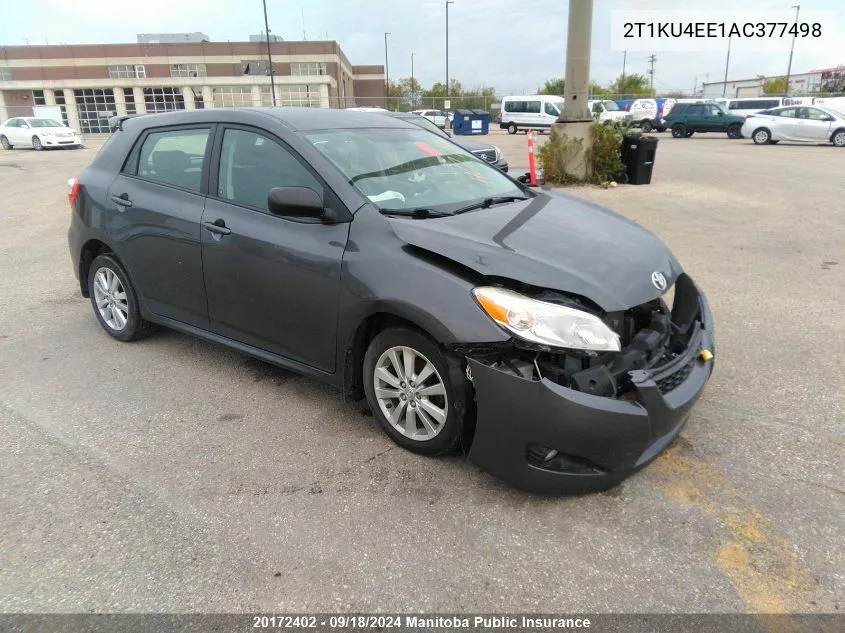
pixel 606 111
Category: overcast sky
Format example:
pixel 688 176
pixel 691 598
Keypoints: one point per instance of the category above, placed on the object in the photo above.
pixel 509 44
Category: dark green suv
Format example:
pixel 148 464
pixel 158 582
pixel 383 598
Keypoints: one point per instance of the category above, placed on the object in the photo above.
pixel 686 119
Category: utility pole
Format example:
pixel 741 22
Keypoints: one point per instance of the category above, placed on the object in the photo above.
pixel 269 55
pixel 386 73
pixel 448 2
pixel 413 92
pixel 727 62
pixel 651 60
pixel 797 8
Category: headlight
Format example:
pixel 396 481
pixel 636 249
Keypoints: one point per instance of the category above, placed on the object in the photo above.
pixel 546 323
pixel 498 153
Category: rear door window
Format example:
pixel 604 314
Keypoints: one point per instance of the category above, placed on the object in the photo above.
pixel 696 110
pixel 174 157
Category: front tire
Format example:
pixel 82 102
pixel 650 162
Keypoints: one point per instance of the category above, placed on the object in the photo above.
pixel 36 144
pixel 735 131
pixel 761 136
pixel 689 134
pixel 412 393
pixel 679 130
pixel 646 126
pixel 512 129
pixel 115 301
pixel 4 142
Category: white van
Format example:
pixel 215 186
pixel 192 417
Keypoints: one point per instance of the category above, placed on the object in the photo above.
pixel 530 112
pixel 834 103
pixel 606 111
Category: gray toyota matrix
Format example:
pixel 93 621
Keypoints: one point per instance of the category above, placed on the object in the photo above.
pixel 527 329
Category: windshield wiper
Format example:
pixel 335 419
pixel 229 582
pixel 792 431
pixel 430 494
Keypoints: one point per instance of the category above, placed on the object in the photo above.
pixel 417 214
pixel 489 202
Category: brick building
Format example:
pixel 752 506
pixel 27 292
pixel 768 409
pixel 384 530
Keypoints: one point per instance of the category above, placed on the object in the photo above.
pixel 92 82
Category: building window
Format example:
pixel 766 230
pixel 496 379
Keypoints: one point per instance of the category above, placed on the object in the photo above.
pixel 94 107
pixel 266 96
pixel 127 71
pixel 299 96
pixel 60 101
pixel 188 70
pixel 232 96
pixel 309 69
pixel 255 67
pixel 38 97
pixel 129 98
pixel 163 99
pixel 5 74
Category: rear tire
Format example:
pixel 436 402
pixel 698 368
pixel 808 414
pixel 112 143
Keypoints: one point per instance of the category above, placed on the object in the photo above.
pixel 646 126
pixel 4 142
pixel 688 134
pixel 838 138
pixel 428 415
pixel 512 129
pixel 761 136
pixel 36 144
pixel 679 130
pixel 115 301
pixel 735 131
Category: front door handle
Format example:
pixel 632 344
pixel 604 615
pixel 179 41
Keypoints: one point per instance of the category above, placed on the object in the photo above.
pixel 123 200
pixel 218 227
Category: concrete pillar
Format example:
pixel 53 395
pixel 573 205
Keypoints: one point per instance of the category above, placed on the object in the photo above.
pixel 575 119
pixel 256 96
pixel 70 109
pixel 577 90
pixel 4 114
pixel 49 97
pixel 324 95
pixel 119 101
pixel 207 97
pixel 140 104
pixel 188 96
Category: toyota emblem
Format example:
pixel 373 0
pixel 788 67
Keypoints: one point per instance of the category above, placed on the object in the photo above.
pixel 658 280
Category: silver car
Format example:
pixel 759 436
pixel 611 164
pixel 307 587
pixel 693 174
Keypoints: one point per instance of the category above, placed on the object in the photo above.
pixel 807 124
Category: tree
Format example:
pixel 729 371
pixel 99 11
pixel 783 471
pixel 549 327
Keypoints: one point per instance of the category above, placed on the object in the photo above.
pixel 409 93
pixel 632 85
pixel 773 86
pixel 597 90
pixel 438 90
pixel 553 87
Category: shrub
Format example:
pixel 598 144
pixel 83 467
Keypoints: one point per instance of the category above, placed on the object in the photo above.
pixel 605 155
pixel 558 154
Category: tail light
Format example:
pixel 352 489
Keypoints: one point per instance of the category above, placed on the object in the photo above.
pixel 72 190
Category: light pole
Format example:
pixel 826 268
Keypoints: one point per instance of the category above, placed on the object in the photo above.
pixel 386 73
pixel 727 61
pixel 448 2
pixel 269 55
pixel 797 8
pixel 413 92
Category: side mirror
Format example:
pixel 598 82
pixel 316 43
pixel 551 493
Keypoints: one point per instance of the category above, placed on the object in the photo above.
pixel 297 202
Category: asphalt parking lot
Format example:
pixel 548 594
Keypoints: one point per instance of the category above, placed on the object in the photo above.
pixel 172 475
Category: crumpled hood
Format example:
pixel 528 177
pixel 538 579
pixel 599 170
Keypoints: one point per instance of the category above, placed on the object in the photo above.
pixel 553 241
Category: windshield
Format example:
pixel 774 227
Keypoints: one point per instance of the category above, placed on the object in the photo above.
pixel 43 123
pixel 836 113
pixel 610 106
pixel 408 169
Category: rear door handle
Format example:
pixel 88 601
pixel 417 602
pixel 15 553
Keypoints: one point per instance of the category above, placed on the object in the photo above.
pixel 218 227
pixel 123 200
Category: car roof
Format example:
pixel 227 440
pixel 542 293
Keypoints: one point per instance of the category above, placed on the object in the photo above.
pixel 296 119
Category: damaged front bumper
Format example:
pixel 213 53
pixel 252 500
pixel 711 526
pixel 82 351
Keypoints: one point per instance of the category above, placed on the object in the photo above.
pixel 550 439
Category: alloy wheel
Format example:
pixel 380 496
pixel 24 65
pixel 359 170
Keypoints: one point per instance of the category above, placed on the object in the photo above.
pixel 410 393
pixel 761 137
pixel 839 139
pixel 5 143
pixel 110 296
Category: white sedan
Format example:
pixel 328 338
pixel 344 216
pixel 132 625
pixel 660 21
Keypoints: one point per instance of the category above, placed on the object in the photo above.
pixel 38 133
pixel 438 117
pixel 808 124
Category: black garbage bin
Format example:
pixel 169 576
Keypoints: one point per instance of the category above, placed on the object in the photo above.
pixel 638 153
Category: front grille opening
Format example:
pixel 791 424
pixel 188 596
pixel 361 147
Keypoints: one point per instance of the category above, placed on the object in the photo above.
pixel 554 460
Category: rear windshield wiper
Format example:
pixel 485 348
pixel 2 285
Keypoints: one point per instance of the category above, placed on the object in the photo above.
pixel 489 202
pixel 417 214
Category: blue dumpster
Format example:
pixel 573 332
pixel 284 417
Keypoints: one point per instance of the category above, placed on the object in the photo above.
pixel 469 122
